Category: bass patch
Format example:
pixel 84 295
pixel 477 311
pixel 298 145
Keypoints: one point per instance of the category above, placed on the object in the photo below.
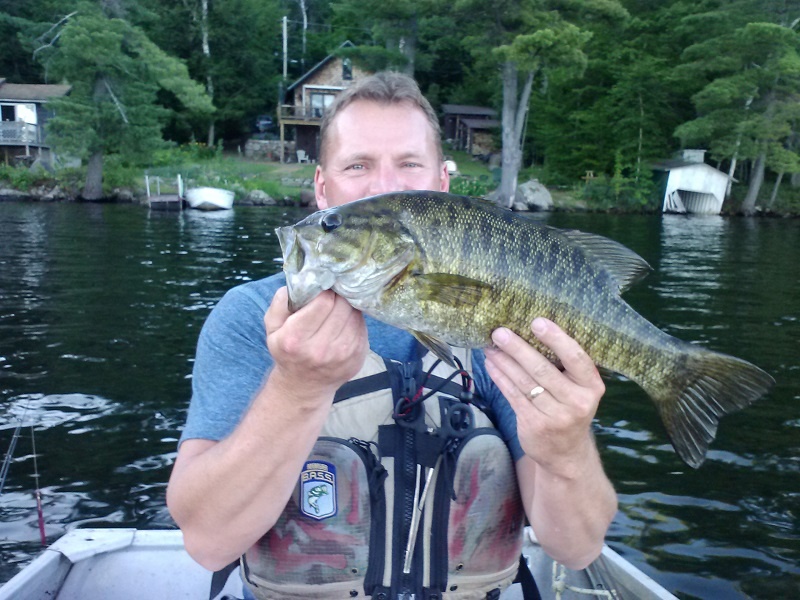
pixel 318 490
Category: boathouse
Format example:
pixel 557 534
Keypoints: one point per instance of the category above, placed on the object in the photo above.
pixel 470 128
pixel 693 186
pixel 24 115
pixel 307 99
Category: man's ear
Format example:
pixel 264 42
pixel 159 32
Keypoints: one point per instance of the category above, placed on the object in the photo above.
pixel 319 189
pixel 444 179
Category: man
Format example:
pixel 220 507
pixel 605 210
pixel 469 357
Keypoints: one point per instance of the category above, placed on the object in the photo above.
pixel 263 392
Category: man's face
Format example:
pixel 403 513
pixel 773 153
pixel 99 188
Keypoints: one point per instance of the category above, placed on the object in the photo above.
pixel 374 149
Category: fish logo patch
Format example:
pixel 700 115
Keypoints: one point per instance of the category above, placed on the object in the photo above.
pixel 318 490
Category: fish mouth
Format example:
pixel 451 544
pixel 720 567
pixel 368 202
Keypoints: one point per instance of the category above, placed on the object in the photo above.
pixel 303 282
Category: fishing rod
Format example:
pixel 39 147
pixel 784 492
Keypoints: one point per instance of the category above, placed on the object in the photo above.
pixel 39 511
pixel 9 456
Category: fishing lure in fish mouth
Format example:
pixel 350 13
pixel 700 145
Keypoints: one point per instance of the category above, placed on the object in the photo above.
pixel 451 269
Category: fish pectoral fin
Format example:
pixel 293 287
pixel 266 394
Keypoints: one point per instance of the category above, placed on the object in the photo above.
pixel 438 347
pixel 453 290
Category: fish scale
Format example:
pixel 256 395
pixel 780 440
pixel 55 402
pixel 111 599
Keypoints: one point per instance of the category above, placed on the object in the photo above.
pixel 451 269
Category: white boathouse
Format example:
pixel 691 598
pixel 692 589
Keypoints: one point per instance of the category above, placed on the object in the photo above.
pixel 693 186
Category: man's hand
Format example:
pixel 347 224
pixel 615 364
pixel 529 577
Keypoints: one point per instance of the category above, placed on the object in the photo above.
pixel 321 346
pixel 553 425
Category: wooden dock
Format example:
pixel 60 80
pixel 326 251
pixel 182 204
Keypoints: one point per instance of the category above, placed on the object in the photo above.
pixel 159 201
pixel 165 202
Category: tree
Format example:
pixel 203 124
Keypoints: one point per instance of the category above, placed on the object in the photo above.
pixel 530 39
pixel 115 72
pixel 749 108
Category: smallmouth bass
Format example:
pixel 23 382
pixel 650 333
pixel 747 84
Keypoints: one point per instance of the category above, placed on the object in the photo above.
pixel 451 269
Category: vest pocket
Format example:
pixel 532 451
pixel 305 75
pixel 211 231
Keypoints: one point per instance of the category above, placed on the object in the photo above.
pixel 328 541
pixel 476 528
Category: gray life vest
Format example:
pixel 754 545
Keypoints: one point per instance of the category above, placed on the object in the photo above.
pixel 399 499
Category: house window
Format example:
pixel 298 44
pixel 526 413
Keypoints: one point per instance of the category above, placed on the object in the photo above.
pixel 320 103
pixel 8 112
pixel 347 69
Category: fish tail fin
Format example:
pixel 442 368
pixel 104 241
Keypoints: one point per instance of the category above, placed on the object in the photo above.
pixel 705 387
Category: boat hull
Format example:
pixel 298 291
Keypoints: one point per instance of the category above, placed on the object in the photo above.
pixel 208 198
pixel 130 564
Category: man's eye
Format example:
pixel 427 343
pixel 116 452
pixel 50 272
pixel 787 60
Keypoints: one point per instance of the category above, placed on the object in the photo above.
pixel 356 167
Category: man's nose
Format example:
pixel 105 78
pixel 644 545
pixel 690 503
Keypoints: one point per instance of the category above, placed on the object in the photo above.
pixel 386 179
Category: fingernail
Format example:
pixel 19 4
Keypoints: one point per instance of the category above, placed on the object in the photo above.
pixel 500 336
pixel 539 326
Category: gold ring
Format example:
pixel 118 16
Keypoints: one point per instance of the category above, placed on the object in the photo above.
pixel 536 391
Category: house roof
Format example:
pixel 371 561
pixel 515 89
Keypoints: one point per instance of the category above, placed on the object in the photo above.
pixel 671 165
pixel 464 109
pixel 481 123
pixel 319 65
pixel 31 92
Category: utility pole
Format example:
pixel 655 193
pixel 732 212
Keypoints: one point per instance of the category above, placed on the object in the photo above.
pixel 285 45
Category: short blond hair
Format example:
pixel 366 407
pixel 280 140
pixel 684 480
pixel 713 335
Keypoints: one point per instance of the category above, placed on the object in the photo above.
pixel 384 87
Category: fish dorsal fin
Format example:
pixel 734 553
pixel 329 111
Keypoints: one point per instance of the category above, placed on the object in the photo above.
pixel 622 264
pixel 453 290
pixel 437 346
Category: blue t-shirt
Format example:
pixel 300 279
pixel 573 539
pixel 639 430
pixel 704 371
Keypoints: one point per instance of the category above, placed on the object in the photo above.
pixel 232 362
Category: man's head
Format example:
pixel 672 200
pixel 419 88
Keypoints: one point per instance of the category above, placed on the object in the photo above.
pixel 380 135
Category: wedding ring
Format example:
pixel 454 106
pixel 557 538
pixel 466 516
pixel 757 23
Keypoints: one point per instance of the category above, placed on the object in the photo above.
pixel 536 391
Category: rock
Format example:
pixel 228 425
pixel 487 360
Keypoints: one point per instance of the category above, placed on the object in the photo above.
pixel 532 195
pixel 259 198
pixel 121 195
pixel 308 198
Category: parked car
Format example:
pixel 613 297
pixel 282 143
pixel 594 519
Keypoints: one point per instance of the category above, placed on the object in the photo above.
pixel 264 123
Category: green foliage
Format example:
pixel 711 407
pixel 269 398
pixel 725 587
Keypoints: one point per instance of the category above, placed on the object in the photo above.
pixel 374 58
pixel 115 72
pixel 471 186
pixel 723 75
pixel 18 178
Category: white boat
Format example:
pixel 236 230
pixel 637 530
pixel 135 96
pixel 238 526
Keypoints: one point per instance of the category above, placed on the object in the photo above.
pixel 209 198
pixel 131 564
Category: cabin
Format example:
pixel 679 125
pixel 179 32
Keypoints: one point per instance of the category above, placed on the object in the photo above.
pixel 307 99
pixel 24 116
pixel 470 128
pixel 693 186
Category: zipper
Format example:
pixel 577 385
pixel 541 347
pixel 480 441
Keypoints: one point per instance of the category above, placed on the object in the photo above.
pixel 410 486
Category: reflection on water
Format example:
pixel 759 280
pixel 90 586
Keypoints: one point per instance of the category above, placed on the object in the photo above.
pixel 692 252
pixel 101 305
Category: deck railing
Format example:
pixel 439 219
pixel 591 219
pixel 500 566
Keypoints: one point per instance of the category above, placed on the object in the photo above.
pixel 18 133
pixel 290 111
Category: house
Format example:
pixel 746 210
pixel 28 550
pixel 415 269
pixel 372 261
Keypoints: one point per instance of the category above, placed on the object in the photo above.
pixel 24 115
pixel 693 186
pixel 307 99
pixel 470 128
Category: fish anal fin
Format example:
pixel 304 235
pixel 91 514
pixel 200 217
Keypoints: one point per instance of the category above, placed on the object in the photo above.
pixel 437 346
pixel 453 290
pixel 621 263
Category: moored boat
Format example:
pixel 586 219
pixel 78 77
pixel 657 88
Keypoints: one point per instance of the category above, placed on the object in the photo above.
pixel 209 198
pixel 130 564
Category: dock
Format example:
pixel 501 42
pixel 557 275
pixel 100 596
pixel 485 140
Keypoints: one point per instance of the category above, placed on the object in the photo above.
pixel 159 201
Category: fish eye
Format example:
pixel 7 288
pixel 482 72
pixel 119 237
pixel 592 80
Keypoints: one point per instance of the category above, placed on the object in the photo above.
pixel 331 221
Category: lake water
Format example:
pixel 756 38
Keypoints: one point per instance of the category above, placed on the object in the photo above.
pixel 101 305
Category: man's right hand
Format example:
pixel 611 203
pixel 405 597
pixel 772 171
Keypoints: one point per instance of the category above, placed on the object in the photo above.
pixel 322 345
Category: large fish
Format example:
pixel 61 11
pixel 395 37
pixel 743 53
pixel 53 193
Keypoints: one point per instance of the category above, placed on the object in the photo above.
pixel 451 269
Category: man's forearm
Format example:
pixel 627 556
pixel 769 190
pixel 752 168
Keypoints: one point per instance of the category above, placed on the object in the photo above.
pixel 225 495
pixel 570 515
